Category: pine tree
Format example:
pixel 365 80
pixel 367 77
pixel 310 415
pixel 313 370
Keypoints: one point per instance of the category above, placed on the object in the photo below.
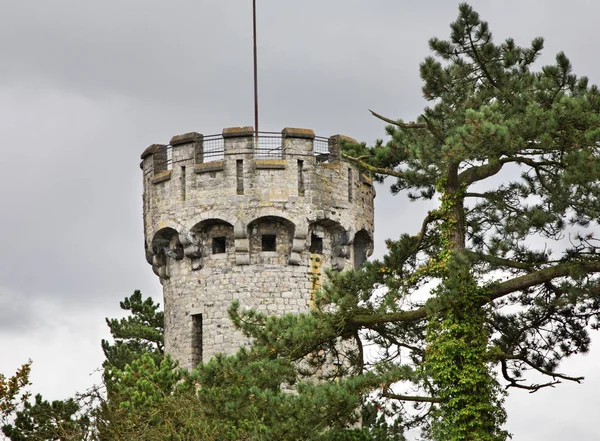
pixel 503 275
pixel 141 332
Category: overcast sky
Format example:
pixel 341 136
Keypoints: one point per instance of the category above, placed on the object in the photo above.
pixel 86 86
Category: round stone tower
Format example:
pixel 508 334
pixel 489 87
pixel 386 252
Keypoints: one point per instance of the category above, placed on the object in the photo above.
pixel 248 217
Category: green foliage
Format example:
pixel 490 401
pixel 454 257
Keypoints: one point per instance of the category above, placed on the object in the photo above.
pixel 12 390
pixel 49 421
pixel 375 423
pixel 261 397
pixel 142 382
pixel 142 332
pixel 243 397
pixel 150 401
pixel 346 435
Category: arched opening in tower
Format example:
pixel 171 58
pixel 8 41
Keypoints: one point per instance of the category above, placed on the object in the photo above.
pixel 328 240
pixel 362 248
pixel 215 239
pixel 164 248
pixel 270 240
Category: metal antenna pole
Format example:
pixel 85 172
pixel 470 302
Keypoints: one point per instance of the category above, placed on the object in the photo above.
pixel 255 70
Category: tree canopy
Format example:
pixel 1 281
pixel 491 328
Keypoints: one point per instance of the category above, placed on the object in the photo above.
pixel 503 274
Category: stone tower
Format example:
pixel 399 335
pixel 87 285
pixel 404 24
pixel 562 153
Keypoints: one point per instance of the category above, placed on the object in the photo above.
pixel 254 218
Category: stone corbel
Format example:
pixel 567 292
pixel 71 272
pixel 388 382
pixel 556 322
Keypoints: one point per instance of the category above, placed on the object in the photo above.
pixel 191 250
pixel 298 244
pixel 341 251
pixel 242 244
pixel 159 265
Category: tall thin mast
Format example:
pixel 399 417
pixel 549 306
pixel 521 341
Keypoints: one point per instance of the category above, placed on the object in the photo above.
pixel 255 70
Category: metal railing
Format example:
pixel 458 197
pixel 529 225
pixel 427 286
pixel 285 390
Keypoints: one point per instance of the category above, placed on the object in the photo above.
pixel 266 145
pixel 321 149
pixel 213 149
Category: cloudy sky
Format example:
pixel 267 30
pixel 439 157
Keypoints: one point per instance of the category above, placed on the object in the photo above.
pixel 85 86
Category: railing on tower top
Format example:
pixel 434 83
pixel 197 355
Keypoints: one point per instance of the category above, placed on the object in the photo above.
pixel 213 148
pixel 266 145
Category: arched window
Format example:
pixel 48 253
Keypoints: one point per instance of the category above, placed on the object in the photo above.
pixel 215 239
pixel 270 240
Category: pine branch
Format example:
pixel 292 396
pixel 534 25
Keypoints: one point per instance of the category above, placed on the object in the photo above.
pixel 504 358
pixel 377 170
pixel 501 262
pixel 483 66
pixel 370 320
pixel 411 398
pixel 497 291
pixel 399 124
pixel 478 173
pixel 541 276
pixel 513 382
pixel 428 219
pixel 388 336
pixel 427 125
pixel 550 373
pixel 434 130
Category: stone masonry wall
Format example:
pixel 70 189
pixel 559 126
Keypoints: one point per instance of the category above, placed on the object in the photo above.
pixel 250 227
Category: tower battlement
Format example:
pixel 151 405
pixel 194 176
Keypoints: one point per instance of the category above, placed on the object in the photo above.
pixel 248 217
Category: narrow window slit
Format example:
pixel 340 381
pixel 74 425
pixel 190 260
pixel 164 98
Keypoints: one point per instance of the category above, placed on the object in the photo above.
pixel 300 177
pixel 196 339
pixel 183 182
pixel 240 176
pixel 350 185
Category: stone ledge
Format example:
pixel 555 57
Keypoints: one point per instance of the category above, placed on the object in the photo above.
pixel 209 167
pixel 151 150
pixel 186 138
pixel 237 132
pixel 344 138
pixel 291 132
pixel 270 163
pixel 162 177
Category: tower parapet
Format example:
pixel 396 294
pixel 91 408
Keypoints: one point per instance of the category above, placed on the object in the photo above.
pixel 253 217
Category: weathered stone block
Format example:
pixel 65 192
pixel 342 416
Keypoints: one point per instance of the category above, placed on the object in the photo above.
pixel 209 167
pixel 270 163
pixel 186 138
